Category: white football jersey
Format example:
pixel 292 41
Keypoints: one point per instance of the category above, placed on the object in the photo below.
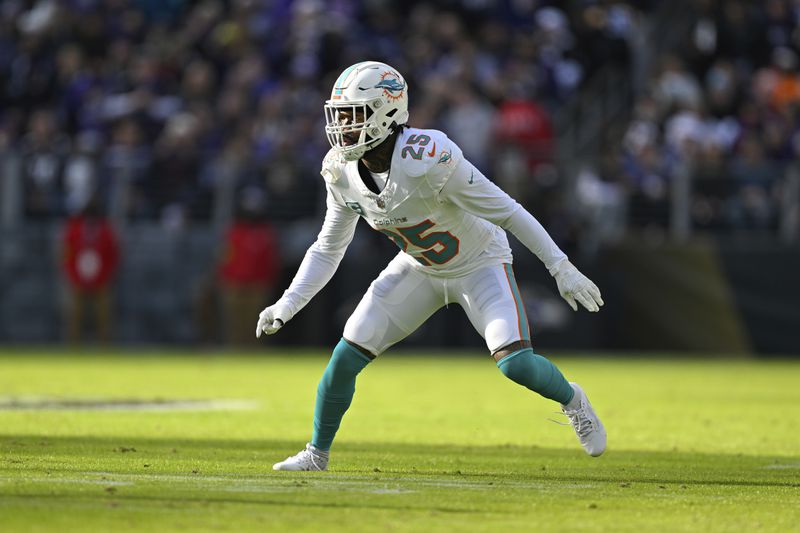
pixel 437 235
pixel 444 215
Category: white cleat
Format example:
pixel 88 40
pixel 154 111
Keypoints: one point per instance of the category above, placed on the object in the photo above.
pixel 308 459
pixel 584 421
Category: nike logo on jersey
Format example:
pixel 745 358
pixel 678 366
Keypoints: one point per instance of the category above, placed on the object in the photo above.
pixel 433 151
pixel 471 176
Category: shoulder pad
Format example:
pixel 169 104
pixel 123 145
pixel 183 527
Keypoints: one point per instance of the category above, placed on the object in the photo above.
pixel 332 166
pixel 419 159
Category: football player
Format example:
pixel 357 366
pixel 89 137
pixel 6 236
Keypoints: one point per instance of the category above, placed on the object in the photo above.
pixel 450 223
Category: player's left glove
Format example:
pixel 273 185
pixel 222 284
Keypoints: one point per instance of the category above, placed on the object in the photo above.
pixel 272 319
pixel 574 286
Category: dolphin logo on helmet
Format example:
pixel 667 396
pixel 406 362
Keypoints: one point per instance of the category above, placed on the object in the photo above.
pixel 391 85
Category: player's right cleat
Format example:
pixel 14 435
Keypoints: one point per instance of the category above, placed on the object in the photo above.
pixel 584 421
pixel 309 459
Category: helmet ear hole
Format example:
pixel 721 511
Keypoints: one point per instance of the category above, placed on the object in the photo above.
pixel 390 114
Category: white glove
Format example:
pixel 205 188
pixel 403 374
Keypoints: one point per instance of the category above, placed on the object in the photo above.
pixel 575 286
pixel 272 319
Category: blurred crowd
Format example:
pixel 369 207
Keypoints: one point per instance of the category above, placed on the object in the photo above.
pixel 207 114
pixel 172 110
pixel 723 110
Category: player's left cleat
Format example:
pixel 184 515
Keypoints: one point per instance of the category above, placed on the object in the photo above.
pixel 584 421
pixel 309 459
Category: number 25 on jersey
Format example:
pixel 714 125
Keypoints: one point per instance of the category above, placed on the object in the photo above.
pixel 421 141
pixel 438 247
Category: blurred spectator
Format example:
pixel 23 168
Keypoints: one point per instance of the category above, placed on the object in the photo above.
pixel 677 88
pixel 249 269
pixel 525 157
pixel 225 174
pixel 711 189
pixel 604 31
pixel 786 83
pixel 290 186
pixel 603 199
pixel 81 173
pixel 650 176
pixel 470 120
pixel 44 150
pixel 554 40
pixel 173 185
pixel 91 258
pixel 125 172
pixel 754 202
pixel 526 125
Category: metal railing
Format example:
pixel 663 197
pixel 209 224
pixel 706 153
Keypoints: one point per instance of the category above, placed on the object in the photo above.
pixel 781 197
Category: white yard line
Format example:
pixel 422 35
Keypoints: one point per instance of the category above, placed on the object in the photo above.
pixel 279 483
pixel 48 403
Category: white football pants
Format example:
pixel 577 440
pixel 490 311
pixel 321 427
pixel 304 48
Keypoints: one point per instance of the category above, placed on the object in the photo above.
pixel 402 298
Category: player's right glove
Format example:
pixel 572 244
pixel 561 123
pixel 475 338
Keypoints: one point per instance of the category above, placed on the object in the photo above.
pixel 272 319
pixel 572 285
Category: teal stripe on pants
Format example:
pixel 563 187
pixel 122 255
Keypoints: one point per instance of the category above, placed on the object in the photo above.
pixel 524 327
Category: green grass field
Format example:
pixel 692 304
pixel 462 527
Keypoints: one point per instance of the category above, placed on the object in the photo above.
pixel 430 444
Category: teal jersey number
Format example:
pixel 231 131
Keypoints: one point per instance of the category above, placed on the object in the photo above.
pixel 415 153
pixel 447 244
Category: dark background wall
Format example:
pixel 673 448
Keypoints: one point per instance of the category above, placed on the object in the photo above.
pixel 707 295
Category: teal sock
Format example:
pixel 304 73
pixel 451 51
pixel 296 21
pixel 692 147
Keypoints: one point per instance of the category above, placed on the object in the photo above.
pixel 335 392
pixel 537 374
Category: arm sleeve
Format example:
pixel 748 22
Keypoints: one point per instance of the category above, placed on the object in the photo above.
pixel 473 192
pixel 323 257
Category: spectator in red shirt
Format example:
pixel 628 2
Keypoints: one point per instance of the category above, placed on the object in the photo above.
pixel 249 268
pixel 525 160
pixel 91 259
pixel 527 126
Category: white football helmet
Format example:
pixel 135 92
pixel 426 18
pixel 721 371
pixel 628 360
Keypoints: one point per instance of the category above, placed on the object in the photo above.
pixel 368 100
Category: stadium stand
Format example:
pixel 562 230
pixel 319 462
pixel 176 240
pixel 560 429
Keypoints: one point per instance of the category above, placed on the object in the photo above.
pixel 610 120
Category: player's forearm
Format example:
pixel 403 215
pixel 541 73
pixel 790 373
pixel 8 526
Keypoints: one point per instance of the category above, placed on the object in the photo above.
pixel 532 234
pixel 469 189
pixel 322 258
pixel 316 270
